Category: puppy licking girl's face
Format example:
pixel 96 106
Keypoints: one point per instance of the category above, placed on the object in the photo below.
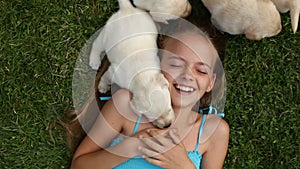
pixel 158 101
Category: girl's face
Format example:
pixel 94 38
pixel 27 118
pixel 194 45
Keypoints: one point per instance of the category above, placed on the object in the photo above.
pixel 188 66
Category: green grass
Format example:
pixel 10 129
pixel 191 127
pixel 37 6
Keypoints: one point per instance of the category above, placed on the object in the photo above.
pixel 263 102
pixel 40 41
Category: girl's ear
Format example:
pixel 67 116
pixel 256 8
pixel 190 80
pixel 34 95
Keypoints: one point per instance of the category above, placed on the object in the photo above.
pixel 212 83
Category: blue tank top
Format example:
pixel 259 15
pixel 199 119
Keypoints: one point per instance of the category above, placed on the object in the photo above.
pixel 138 162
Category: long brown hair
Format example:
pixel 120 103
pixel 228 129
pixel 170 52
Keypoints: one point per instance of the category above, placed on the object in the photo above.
pixel 74 130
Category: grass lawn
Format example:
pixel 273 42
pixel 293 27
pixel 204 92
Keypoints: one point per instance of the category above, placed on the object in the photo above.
pixel 40 41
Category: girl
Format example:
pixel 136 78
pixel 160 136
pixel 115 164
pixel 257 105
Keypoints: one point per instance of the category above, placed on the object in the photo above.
pixel 121 139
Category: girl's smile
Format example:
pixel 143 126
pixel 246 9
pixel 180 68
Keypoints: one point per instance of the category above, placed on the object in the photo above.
pixel 184 90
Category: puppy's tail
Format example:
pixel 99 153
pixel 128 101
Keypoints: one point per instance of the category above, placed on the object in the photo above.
pixel 295 12
pixel 123 4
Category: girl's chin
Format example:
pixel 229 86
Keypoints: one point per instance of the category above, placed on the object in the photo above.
pixel 185 99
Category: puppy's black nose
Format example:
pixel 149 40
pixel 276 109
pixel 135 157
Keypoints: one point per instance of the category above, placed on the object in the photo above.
pixel 167 126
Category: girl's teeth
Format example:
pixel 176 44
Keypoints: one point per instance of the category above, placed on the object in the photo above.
pixel 184 88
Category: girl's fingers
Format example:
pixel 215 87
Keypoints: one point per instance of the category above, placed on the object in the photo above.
pixel 153 144
pixel 174 136
pixel 154 161
pixel 151 154
pixel 160 143
pixel 158 137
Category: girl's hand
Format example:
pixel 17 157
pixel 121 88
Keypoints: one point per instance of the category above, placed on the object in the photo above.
pixel 165 150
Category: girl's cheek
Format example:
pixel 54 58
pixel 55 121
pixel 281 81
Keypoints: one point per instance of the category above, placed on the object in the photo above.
pixel 201 82
pixel 169 73
pixel 174 74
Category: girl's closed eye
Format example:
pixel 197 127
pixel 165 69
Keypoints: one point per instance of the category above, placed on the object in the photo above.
pixel 201 71
pixel 176 62
pixel 176 65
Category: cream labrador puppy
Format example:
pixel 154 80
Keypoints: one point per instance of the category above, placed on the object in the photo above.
pixel 289 5
pixel 254 18
pixel 157 8
pixel 129 41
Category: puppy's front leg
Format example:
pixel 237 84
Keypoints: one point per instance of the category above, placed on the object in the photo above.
pixel 97 49
pixel 105 81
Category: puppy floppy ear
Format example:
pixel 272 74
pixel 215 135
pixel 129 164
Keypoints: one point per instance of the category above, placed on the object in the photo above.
pixel 140 104
pixel 132 105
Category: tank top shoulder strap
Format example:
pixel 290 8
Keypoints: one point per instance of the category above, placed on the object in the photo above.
pixel 137 124
pixel 200 131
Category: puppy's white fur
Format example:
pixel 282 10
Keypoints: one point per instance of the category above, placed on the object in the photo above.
pixel 254 18
pixel 290 5
pixel 129 40
pixel 157 8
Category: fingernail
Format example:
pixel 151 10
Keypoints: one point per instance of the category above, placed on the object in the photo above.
pixel 140 136
pixel 139 148
pixel 148 130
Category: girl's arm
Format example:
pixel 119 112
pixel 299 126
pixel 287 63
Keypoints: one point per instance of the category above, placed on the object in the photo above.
pixel 95 157
pixel 215 155
pixel 90 153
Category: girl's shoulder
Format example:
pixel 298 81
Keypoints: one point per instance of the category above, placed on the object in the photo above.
pixel 117 111
pixel 118 104
pixel 215 128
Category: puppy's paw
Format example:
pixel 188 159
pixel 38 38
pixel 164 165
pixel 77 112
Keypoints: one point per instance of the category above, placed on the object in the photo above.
pixel 94 62
pixel 103 87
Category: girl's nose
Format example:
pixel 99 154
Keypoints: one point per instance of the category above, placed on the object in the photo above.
pixel 187 74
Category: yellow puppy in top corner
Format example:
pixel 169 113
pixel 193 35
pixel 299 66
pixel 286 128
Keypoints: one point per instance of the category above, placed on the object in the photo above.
pixel 254 18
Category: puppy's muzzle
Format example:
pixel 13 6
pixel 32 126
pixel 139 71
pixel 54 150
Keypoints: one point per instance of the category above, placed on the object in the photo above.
pixel 165 120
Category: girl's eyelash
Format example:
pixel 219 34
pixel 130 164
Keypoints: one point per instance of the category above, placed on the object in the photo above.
pixel 201 72
pixel 173 65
